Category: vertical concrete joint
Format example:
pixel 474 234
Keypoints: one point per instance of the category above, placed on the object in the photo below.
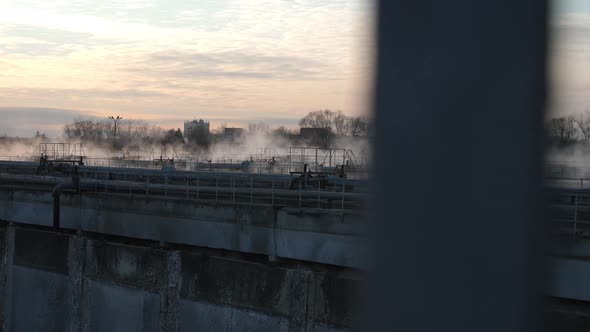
pixel 170 294
pixel 76 259
pixel 299 300
pixel 6 259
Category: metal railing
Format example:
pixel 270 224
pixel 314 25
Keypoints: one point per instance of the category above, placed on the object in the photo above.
pixel 211 165
pixel 570 205
pixel 242 191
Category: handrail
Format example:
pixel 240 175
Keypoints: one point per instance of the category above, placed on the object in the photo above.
pixel 276 196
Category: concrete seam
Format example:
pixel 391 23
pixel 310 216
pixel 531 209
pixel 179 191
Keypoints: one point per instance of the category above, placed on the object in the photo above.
pixel 307 300
pixel 76 262
pixel 9 254
pixel 170 294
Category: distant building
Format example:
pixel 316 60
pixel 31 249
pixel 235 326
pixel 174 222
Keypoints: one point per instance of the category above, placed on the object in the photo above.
pixel 195 126
pixel 196 131
pixel 316 136
pixel 233 134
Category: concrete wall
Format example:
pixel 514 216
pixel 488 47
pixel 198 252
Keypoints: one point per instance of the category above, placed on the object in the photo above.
pixel 58 281
pixel 569 269
pixel 322 236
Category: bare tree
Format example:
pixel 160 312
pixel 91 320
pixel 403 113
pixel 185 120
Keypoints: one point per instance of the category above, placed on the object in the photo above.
pixel 342 124
pixel 358 126
pixel 260 127
pixel 563 129
pixel 582 122
pixel 132 131
pixel 336 122
pixel 318 119
pixel 101 131
pixel 282 131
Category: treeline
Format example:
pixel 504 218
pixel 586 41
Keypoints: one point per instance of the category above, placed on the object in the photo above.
pixel 336 123
pixel 570 129
pixel 139 132
pixel 129 131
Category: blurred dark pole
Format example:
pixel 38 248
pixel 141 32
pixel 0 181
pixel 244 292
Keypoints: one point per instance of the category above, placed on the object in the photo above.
pixel 460 100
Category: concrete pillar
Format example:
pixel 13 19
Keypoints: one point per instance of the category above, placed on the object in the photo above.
pixel 169 295
pixel 86 294
pixel 6 258
pixel 457 193
pixel 299 284
pixel 76 257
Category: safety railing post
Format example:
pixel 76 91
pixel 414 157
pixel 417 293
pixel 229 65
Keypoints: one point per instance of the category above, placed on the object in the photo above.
pixel 186 179
pixel 251 187
pixel 216 187
pixel 233 191
pixel 343 190
pixel 575 214
pixel 197 188
pixel 272 202
pixel 299 193
pixel 319 194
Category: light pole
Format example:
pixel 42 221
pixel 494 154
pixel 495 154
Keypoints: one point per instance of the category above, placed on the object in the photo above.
pixel 115 120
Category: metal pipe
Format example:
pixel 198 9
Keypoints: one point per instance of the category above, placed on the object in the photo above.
pixel 57 190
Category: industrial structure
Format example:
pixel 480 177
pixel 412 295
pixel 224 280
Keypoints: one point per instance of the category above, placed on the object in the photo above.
pixel 91 248
pixel 233 134
pixel 196 131
pixel 322 162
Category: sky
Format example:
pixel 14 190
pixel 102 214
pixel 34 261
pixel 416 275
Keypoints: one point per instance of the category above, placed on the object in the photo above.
pixel 570 57
pixel 166 61
pixel 228 61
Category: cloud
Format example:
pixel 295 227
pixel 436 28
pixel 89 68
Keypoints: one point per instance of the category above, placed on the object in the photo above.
pixel 48 35
pixel 25 121
pixel 570 63
pixel 231 60
pixel 230 64
pixel 32 40
pixel 35 49
pixel 83 93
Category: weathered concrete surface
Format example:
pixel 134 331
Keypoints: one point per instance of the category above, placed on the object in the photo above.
pixel 569 278
pixel 323 236
pixel 38 300
pixel 39 289
pixel 120 309
pixel 81 282
pixel 198 316
pixel 569 268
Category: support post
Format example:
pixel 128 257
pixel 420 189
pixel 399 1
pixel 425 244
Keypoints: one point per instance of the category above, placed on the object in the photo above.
pixel 438 70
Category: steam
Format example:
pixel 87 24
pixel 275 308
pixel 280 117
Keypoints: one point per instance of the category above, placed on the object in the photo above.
pixel 252 146
pixel 571 154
